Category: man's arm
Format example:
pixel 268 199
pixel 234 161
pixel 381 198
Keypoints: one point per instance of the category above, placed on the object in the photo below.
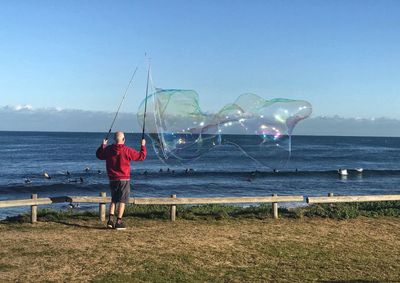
pixel 100 152
pixel 138 156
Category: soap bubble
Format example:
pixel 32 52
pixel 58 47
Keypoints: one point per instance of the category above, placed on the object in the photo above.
pixel 176 125
pixel 261 129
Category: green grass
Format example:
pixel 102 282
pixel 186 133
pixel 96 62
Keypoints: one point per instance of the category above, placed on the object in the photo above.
pixel 6 267
pixel 222 211
pixel 150 271
pixel 262 211
pixel 207 211
pixel 218 244
pixel 351 210
pixel 48 214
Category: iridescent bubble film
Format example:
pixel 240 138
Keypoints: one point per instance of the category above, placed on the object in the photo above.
pixel 260 129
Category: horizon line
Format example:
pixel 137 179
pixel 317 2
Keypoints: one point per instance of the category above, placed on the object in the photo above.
pixel 140 133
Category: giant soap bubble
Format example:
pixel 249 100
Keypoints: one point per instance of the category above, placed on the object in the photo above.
pixel 261 129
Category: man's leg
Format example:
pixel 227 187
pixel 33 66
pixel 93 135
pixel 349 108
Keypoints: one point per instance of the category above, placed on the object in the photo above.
pixel 121 209
pixel 125 190
pixel 112 208
pixel 110 223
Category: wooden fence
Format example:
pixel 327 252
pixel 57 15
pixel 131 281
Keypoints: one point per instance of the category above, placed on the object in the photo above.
pixel 335 199
pixel 173 201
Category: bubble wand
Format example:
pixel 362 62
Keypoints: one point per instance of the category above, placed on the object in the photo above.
pixel 120 104
pixel 145 102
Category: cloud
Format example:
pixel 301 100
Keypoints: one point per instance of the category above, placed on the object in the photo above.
pixel 27 118
pixel 339 126
pixel 18 107
pixel 13 118
pixel 23 107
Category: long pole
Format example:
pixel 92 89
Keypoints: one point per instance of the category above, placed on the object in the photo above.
pixel 145 102
pixel 120 104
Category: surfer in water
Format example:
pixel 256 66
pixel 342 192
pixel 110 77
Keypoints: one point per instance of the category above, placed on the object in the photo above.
pixel 118 157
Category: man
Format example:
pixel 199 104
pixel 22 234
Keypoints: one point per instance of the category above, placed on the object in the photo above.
pixel 118 157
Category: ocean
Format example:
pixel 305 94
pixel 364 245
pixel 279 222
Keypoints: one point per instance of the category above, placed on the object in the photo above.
pixel 224 171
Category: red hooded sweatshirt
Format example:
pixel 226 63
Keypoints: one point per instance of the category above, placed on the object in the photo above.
pixel 118 157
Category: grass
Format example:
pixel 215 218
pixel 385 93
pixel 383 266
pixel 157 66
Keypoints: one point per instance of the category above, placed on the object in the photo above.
pixel 218 211
pixel 211 243
pixel 221 211
pixel 5 267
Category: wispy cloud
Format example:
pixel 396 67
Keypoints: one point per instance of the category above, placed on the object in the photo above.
pixel 339 126
pixel 18 107
pixel 25 118
pixel 28 118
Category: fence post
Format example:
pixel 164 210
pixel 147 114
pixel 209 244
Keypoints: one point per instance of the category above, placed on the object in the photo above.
pixel 331 195
pixel 102 208
pixel 173 210
pixel 275 207
pixel 33 210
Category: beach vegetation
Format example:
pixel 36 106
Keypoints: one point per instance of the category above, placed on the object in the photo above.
pixel 214 212
pixel 350 210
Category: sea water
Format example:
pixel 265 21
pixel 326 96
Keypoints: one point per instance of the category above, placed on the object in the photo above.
pixel 223 171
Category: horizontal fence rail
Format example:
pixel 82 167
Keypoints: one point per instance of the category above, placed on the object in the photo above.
pixel 33 201
pixel 214 200
pixel 173 201
pixel 177 201
pixel 337 199
pixel 103 199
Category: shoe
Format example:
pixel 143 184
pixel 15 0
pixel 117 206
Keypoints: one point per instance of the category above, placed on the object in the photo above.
pixel 110 224
pixel 120 226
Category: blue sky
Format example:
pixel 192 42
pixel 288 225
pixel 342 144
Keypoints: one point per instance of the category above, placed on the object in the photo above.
pixel 342 56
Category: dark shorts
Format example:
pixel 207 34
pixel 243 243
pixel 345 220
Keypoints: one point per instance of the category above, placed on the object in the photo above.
pixel 120 191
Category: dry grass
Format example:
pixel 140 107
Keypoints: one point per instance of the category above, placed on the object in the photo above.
pixel 285 250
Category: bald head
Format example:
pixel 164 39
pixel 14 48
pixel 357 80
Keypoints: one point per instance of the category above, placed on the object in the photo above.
pixel 119 137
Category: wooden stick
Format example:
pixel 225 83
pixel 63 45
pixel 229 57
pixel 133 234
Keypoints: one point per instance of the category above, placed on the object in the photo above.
pixel 34 209
pixel 335 199
pixel 25 202
pixel 211 200
pixel 173 210
pixel 160 201
pixel 102 208
pixel 275 207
